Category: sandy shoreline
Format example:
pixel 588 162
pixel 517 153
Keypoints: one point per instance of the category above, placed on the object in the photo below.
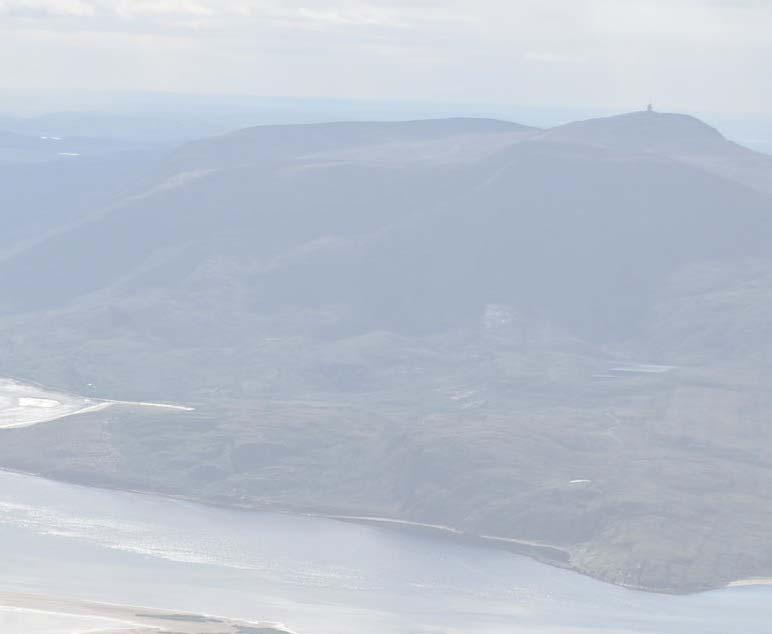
pixel 32 614
pixel 745 583
pixel 24 404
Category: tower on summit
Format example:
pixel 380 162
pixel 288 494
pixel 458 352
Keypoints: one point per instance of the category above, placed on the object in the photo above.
pixel 650 107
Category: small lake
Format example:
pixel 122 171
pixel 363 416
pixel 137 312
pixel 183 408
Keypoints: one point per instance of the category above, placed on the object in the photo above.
pixel 319 576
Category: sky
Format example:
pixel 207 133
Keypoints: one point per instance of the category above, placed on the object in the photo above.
pixel 683 54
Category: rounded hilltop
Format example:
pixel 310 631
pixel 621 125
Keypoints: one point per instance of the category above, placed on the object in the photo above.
pixel 644 131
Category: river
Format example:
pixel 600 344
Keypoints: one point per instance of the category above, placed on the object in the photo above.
pixel 318 576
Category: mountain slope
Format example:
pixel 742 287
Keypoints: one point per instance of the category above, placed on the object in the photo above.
pixel 399 246
pixel 40 198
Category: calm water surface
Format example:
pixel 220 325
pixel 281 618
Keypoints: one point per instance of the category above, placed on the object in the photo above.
pixel 319 576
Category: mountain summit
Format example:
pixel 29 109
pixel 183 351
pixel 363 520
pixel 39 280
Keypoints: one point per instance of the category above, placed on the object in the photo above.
pixel 645 131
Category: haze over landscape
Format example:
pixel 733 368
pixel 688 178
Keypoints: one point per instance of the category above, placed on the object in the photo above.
pixel 453 340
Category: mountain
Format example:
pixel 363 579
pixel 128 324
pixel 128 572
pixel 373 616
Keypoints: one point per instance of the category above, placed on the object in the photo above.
pixel 396 244
pixel 556 337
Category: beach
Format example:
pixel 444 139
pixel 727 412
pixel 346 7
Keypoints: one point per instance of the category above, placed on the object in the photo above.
pixel 39 614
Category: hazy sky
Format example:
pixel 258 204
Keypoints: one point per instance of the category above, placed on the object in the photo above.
pixel 685 54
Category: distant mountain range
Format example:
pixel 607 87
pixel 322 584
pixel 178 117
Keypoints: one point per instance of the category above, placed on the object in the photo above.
pixel 557 336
